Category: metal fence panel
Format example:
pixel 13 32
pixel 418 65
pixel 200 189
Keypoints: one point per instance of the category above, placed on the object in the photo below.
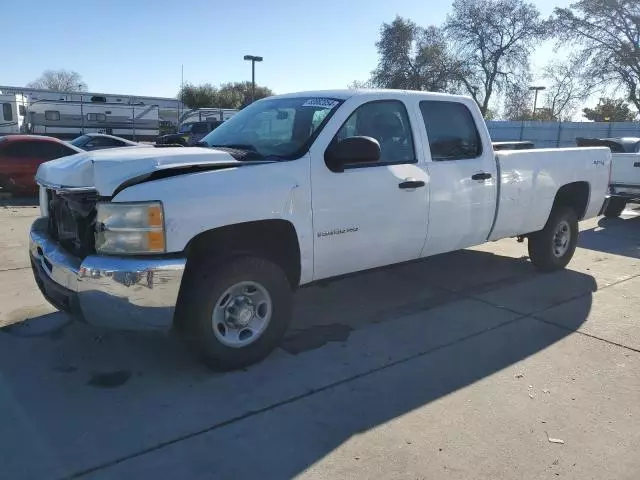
pixel 558 134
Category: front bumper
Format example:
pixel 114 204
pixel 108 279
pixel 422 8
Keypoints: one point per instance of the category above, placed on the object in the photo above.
pixel 131 293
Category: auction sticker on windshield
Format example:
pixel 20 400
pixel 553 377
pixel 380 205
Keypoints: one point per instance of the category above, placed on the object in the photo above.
pixel 321 102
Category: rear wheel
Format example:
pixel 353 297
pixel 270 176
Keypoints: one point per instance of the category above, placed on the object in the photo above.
pixel 553 247
pixel 234 313
pixel 615 207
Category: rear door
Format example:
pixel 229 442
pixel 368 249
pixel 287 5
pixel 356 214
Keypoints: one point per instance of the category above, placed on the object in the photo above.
pixel 463 176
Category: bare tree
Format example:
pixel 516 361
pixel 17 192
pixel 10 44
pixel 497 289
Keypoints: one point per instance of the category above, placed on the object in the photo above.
pixel 518 101
pixel 415 58
pixel 494 39
pixel 607 34
pixel 59 81
pixel 567 87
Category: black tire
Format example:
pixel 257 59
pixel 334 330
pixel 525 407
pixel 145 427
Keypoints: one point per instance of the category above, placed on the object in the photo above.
pixel 543 251
pixel 615 207
pixel 206 283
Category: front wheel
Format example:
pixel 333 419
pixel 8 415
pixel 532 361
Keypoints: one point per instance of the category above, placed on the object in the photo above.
pixel 553 247
pixel 615 207
pixel 235 312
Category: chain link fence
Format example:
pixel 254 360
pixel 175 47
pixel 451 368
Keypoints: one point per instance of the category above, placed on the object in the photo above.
pixel 559 134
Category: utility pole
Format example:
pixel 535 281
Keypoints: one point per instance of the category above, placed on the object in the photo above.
pixel 253 59
pixel 535 98
pixel 81 109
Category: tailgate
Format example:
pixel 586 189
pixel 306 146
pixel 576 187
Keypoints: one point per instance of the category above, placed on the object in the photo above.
pixel 625 169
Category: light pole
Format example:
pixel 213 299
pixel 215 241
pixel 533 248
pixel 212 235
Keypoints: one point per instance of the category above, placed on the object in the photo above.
pixel 253 59
pixel 81 109
pixel 535 98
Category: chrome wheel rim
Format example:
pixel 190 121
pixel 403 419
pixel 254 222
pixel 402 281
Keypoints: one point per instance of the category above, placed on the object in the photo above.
pixel 242 314
pixel 561 239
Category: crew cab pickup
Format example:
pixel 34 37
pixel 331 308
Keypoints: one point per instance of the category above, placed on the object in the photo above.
pixel 213 241
pixel 624 184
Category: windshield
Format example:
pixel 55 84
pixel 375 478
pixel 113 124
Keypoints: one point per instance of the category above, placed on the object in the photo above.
pixel 280 127
pixel 186 127
pixel 79 141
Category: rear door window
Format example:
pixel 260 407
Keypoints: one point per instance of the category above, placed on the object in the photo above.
pixel 20 150
pixel 451 130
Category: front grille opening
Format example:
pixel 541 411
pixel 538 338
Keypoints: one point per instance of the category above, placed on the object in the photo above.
pixel 72 221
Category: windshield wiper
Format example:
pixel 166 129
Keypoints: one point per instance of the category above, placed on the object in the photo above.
pixel 237 146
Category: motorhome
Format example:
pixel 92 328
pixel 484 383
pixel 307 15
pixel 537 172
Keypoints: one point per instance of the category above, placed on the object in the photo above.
pixel 169 109
pixel 70 118
pixel 13 109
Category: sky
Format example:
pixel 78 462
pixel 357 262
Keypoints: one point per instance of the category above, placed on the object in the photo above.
pixel 138 46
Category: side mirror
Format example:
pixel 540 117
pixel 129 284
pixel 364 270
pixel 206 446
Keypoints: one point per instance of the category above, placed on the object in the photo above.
pixel 352 151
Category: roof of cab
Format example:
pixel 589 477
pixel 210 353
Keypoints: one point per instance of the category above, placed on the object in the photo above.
pixel 344 94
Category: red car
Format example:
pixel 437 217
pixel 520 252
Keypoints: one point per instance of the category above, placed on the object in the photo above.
pixel 20 157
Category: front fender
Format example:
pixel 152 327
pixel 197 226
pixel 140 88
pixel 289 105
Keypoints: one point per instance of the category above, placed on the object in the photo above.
pixel 197 202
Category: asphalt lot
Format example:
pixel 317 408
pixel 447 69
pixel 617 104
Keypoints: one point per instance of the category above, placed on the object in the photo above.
pixel 466 365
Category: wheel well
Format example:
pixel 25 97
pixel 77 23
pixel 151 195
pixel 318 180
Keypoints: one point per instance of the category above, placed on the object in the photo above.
pixel 574 195
pixel 275 240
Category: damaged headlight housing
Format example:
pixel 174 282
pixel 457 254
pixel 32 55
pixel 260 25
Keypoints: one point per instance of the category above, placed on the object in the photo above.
pixel 130 228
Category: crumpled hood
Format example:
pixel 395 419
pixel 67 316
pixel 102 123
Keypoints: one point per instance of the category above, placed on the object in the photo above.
pixel 106 170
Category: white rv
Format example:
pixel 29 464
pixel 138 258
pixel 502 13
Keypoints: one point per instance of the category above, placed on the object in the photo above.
pixel 70 118
pixel 169 109
pixel 13 109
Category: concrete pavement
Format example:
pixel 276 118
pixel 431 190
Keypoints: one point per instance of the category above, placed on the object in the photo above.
pixel 461 366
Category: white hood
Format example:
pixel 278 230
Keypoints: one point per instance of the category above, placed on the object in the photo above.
pixel 106 170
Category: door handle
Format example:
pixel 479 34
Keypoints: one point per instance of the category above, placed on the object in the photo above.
pixel 411 183
pixel 481 176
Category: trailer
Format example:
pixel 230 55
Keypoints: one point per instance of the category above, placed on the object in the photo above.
pixel 70 118
pixel 13 109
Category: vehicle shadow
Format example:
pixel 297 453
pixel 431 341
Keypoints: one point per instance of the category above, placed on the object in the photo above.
pixel 408 335
pixel 619 236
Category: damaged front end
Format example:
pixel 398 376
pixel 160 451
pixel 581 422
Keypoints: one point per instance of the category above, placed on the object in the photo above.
pixel 71 219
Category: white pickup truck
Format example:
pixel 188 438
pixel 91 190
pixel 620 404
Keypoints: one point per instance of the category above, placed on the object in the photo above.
pixel 214 240
pixel 624 184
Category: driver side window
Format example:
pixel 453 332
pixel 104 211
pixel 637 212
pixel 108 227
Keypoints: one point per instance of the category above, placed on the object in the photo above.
pixel 388 122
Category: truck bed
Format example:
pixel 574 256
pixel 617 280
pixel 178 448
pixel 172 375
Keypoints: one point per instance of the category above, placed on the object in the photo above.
pixel 529 180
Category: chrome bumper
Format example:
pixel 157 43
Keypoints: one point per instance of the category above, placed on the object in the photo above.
pixel 137 293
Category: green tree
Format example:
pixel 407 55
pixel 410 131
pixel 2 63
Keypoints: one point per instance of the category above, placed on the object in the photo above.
pixel 606 37
pixel 199 96
pixel 415 58
pixel 494 39
pixel 610 110
pixel 238 94
pixel 228 95
pixel 59 81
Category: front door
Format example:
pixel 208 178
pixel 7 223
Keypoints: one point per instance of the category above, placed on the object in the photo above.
pixel 365 216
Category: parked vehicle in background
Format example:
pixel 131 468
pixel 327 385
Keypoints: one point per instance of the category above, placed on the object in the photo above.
pixel 100 141
pixel 68 119
pixel 13 109
pixel 294 189
pixel 624 184
pixel 20 157
pixel 190 133
pixel 204 114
